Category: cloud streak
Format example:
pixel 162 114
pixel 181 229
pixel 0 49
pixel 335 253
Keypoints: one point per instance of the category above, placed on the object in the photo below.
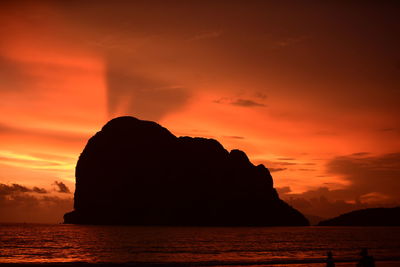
pixel 206 35
pixel 247 103
pixel 33 162
pixel 234 137
pixel 61 187
pixel 240 102
pixel 7 190
pixel 277 169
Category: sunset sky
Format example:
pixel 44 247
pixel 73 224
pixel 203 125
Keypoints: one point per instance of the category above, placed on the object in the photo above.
pixel 310 89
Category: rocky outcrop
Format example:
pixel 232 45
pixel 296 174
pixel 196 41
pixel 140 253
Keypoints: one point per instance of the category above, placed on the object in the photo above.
pixel 366 217
pixel 136 172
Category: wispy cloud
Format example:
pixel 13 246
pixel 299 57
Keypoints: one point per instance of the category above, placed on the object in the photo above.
pixel 247 103
pixel 290 41
pixel 17 188
pixel 360 154
pixel 241 102
pixel 206 35
pixel 260 95
pixel 33 162
pixel 306 170
pixel 285 163
pixel 234 137
pixel 286 159
pixel 277 169
pixel 61 187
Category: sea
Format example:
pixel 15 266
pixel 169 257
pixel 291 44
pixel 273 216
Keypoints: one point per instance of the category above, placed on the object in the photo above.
pixel 196 246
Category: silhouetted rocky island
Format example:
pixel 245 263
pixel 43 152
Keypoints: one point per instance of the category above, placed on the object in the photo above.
pixel 366 217
pixel 136 172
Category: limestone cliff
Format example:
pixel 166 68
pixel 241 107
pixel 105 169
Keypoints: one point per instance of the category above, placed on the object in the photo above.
pixel 138 173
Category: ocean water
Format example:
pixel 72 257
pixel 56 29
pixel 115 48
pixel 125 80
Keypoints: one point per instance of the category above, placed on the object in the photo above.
pixel 209 246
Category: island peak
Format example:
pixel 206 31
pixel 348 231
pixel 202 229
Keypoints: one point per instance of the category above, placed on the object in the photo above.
pixel 137 172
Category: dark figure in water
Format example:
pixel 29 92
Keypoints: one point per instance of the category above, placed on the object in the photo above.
pixel 329 260
pixel 366 260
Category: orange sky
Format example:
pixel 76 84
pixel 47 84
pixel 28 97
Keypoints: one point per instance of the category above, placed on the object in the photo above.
pixel 310 90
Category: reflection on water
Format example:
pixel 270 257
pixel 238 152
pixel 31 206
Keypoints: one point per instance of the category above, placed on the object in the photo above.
pixel 70 243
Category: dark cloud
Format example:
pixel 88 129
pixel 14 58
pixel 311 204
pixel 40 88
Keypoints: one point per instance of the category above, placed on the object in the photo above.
pixel 11 189
pixel 223 100
pixel 368 174
pixel 260 95
pixel 61 187
pixel 140 96
pixel 360 154
pixel 206 35
pixel 284 163
pixel 19 203
pixel 247 103
pixel 39 190
pixel 388 130
pixel 234 137
pixel 30 208
pixel 276 169
pixel 277 166
pixel 239 102
pixel 373 181
pixel 6 190
pixel 328 203
pixel 286 159
pixel 290 41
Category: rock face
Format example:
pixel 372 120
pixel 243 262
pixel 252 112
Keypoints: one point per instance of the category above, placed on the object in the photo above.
pixel 366 217
pixel 136 172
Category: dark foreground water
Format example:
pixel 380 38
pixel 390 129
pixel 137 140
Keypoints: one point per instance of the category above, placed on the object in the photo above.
pixel 279 246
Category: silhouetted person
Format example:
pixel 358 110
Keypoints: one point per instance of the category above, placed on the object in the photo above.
pixel 366 260
pixel 329 260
